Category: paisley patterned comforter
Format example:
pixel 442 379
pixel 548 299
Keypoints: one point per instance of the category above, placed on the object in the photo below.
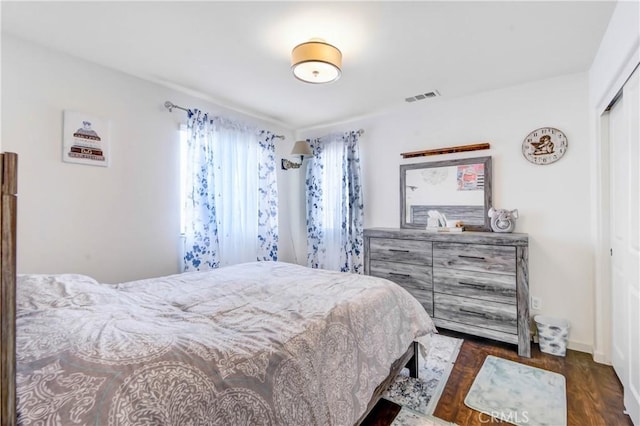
pixel 261 343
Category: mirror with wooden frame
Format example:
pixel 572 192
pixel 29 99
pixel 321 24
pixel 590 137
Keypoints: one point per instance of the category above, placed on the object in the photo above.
pixel 459 189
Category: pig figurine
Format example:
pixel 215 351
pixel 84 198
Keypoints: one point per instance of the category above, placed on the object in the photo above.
pixel 503 220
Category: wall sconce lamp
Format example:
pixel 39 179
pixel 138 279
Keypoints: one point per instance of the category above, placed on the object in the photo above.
pixel 300 148
pixel 316 61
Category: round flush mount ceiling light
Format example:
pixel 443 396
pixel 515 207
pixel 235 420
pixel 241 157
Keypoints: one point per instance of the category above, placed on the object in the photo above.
pixel 316 61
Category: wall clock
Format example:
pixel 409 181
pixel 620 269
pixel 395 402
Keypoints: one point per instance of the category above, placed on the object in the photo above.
pixel 545 145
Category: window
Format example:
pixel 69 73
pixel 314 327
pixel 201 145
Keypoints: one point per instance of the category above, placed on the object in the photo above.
pixel 229 194
pixel 183 178
pixel 334 204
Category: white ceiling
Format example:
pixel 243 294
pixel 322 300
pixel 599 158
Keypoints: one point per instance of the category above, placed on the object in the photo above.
pixel 238 53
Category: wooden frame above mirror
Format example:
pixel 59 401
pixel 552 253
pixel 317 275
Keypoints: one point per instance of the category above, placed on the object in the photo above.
pixel 461 189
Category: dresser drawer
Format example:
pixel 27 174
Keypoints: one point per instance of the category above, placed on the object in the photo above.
pixel 495 316
pixel 416 279
pixel 480 285
pixel 395 250
pixel 475 257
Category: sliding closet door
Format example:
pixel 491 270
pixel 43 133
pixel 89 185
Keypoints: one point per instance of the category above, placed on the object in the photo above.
pixel 624 137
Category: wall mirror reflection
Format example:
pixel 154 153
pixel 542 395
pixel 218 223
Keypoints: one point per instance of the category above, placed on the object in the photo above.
pixel 460 189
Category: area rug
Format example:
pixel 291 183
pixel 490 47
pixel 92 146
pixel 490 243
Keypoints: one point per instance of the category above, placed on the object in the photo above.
pixel 408 417
pixel 419 397
pixel 518 394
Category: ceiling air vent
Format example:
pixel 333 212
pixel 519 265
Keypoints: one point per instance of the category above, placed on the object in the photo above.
pixel 422 96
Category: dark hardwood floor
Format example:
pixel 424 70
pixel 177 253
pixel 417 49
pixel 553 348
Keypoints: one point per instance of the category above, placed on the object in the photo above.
pixel 594 393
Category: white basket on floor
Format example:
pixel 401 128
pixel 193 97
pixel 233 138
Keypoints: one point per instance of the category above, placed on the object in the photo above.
pixel 553 334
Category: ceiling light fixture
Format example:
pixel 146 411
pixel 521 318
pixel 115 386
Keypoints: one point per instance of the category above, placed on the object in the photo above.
pixel 316 61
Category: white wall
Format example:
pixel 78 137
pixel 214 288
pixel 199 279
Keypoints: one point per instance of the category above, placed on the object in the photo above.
pixel 617 57
pixel 553 200
pixel 118 223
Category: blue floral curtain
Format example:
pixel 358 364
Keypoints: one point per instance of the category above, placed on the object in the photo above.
pixel 231 203
pixel 201 233
pixel 267 198
pixel 353 206
pixel 335 211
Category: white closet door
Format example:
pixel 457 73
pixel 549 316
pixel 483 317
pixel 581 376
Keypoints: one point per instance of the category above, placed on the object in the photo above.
pixel 624 140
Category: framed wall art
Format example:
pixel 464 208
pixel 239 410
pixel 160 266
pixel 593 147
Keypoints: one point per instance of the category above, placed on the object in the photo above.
pixel 85 139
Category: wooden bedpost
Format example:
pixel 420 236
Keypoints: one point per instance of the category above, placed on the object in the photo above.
pixel 8 205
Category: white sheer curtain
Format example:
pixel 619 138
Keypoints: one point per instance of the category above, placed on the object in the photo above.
pixel 331 214
pixel 235 154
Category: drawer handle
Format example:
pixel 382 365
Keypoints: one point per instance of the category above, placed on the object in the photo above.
pixel 399 251
pixel 400 275
pixel 472 284
pixel 467 311
pixel 471 257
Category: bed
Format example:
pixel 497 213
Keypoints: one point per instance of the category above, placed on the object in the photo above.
pixel 252 344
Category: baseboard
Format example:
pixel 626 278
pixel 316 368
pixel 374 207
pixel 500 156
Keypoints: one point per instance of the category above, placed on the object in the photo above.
pixel 580 347
pixel 601 358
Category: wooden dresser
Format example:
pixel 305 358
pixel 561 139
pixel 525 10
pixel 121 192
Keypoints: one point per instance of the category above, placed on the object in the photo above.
pixel 472 282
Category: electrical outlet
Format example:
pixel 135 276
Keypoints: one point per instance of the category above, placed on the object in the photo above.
pixel 536 303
